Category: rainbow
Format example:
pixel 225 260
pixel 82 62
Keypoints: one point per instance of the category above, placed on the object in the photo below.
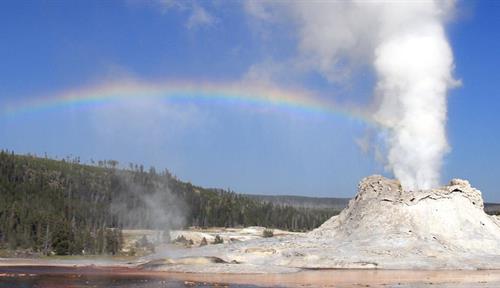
pixel 226 92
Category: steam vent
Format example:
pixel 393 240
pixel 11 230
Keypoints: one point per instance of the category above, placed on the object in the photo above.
pixel 383 227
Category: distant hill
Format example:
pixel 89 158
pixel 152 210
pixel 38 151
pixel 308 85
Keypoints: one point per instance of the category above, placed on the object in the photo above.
pixel 492 208
pixel 303 201
pixel 336 204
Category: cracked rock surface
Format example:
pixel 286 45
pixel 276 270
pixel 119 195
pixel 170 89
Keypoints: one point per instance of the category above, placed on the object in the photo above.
pixel 383 227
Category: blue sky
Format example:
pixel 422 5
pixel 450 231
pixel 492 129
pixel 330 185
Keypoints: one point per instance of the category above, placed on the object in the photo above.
pixel 48 46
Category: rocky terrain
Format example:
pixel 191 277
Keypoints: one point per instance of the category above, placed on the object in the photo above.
pixel 383 227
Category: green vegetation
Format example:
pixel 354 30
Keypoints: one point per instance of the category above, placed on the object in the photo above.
pixel 68 208
pixel 268 233
pixel 204 242
pixel 218 240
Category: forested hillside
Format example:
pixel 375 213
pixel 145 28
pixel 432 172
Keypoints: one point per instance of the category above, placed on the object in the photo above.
pixel 66 207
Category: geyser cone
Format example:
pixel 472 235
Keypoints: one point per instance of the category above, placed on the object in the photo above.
pixel 448 221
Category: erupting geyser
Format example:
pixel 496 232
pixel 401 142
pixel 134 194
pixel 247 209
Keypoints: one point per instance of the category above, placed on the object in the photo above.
pixel 414 64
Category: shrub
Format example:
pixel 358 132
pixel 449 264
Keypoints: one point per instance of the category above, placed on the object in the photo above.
pixel 268 233
pixel 203 242
pixel 181 239
pixel 218 240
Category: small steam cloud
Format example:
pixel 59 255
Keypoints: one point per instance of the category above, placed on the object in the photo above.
pixel 406 46
pixel 151 206
pixel 147 205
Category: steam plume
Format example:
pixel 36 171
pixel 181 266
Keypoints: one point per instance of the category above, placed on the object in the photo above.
pixel 406 45
pixel 413 62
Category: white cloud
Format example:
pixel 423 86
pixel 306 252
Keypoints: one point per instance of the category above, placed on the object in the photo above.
pixel 258 9
pixel 332 37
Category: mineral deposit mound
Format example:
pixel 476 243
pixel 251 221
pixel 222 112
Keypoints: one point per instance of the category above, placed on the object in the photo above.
pixel 383 227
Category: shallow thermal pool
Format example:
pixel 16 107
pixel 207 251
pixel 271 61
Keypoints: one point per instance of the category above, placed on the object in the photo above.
pixel 64 276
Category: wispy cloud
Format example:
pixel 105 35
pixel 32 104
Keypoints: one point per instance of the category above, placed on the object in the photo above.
pixel 197 15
